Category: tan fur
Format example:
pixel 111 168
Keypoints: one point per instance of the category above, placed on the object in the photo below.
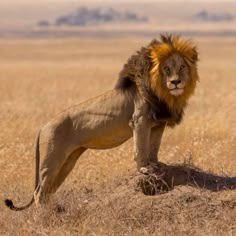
pixel 106 121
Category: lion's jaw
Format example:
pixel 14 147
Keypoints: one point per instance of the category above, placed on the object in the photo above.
pixel 176 91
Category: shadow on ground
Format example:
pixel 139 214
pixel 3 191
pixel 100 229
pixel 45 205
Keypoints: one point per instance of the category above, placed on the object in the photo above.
pixel 165 177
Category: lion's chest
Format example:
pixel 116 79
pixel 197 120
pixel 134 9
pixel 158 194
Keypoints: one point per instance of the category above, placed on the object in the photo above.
pixel 163 113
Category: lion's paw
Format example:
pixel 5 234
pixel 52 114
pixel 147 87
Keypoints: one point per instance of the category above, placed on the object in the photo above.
pixel 147 170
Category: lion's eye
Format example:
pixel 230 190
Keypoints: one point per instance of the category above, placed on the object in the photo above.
pixel 182 68
pixel 167 69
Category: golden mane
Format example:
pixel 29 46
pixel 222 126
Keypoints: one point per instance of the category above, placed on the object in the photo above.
pixel 142 72
pixel 159 51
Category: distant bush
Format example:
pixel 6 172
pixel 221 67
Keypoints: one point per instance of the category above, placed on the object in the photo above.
pixel 43 23
pixel 86 16
pixel 206 16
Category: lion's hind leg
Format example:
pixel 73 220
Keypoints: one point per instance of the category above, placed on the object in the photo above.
pixel 53 172
pixel 67 168
pixel 54 156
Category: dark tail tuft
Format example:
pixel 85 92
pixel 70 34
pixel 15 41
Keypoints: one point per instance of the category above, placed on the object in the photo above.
pixel 9 204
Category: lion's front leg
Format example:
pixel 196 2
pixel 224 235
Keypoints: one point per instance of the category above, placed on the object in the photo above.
pixel 141 136
pixel 155 141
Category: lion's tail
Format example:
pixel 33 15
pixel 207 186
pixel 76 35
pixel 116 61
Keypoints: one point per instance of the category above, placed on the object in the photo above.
pixel 9 203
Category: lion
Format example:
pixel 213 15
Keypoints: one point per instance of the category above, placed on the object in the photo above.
pixel 151 93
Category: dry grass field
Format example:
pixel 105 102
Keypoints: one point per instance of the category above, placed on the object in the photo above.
pixel 42 77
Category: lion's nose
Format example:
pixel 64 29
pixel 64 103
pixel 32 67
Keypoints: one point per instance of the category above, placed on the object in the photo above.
pixel 175 82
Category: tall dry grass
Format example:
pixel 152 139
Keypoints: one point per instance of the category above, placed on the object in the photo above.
pixel 41 77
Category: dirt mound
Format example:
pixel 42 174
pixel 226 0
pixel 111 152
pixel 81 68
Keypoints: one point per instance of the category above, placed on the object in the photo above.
pixel 184 201
pixel 166 177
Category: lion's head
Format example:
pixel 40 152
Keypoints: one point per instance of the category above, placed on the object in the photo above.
pixel 165 73
pixel 173 74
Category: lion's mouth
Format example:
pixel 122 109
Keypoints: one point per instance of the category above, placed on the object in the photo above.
pixel 176 91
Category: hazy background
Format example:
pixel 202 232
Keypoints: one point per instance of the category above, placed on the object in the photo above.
pixel 21 17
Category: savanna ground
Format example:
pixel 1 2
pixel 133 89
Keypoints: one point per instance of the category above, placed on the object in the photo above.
pixel 42 77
